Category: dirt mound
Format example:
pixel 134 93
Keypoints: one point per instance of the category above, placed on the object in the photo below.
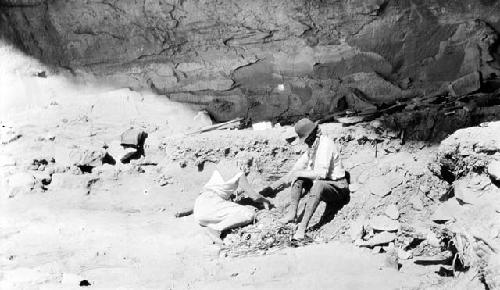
pixel 470 212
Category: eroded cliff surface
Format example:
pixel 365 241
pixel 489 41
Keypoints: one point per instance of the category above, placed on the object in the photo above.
pixel 231 56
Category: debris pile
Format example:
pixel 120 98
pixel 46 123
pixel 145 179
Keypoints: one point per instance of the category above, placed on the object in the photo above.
pixel 469 217
pixel 265 236
pixel 270 157
pixel 74 167
pixel 433 211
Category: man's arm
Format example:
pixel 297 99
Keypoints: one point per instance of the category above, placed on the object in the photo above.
pixel 300 165
pixel 243 182
pixel 251 193
pixel 308 174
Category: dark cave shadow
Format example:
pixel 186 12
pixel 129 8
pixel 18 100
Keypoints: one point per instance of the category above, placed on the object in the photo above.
pixel 439 119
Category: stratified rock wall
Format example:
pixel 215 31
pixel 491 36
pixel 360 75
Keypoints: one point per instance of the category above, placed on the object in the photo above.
pixel 230 56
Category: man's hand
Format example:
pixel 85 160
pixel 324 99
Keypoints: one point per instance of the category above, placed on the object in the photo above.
pixel 265 203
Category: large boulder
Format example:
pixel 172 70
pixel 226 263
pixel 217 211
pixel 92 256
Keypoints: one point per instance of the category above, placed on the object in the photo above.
pixel 466 84
pixel 375 88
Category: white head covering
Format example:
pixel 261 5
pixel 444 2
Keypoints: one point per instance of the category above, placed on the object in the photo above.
pixel 223 188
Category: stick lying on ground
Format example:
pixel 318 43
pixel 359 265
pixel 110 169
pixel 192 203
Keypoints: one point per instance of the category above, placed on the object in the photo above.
pixel 184 212
pixel 225 125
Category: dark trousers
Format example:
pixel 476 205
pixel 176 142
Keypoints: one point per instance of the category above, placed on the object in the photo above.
pixel 329 191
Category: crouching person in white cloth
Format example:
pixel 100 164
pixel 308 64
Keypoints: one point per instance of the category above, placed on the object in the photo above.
pixel 215 210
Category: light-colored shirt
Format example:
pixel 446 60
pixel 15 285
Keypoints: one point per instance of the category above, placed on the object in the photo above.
pixel 323 158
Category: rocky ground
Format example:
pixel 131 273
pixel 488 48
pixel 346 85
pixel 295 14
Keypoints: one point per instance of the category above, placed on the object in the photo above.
pixel 421 215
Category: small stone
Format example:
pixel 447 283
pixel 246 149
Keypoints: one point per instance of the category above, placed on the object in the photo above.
pixel 261 126
pixel 119 153
pixel 391 259
pixel 383 185
pixel 424 188
pixel 471 191
pixel 416 203
pixel 376 250
pixel 164 180
pixel 404 255
pixel 48 137
pixel 290 135
pixel 43 177
pixel 79 156
pixel 378 239
pixel 383 223
pixel 357 228
pixel 60 169
pixel 22 182
pixel 107 172
pixel 432 240
pixel 446 211
pixel 494 170
pixel 392 211
pixel 203 119
pixel 133 138
pixel 379 187
pixel 376 124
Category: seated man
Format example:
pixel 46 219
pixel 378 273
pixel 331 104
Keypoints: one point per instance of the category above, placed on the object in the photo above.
pixel 318 172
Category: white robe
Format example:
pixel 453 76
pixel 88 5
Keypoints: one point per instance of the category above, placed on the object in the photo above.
pixel 214 209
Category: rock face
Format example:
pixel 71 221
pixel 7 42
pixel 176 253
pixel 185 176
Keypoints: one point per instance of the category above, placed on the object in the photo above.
pixel 229 56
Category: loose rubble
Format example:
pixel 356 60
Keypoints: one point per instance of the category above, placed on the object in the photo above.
pixel 410 201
